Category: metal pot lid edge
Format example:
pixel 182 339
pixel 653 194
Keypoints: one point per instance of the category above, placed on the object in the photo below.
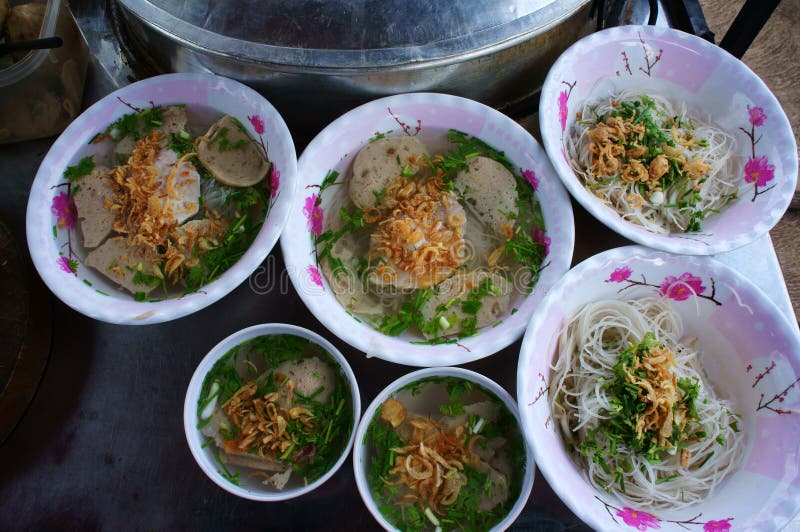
pixel 304 60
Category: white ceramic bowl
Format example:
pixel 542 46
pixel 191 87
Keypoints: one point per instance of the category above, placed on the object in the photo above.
pixel 679 67
pixel 93 294
pixel 740 334
pixel 360 451
pixel 336 147
pixel 252 488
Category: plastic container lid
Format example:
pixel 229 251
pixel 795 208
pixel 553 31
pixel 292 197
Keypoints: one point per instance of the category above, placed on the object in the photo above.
pixel 22 69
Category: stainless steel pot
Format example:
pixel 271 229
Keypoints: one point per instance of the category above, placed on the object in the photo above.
pixel 314 59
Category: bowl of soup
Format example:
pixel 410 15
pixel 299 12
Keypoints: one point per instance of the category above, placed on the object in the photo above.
pixel 429 228
pixel 441 449
pixel 161 198
pixel 271 412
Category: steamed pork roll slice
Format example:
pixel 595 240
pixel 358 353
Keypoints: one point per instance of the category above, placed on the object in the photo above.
pixel 379 163
pixel 228 152
pixel 93 200
pixel 450 301
pixel 173 120
pixel 123 265
pixel 491 192
pixel 497 489
pixel 490 454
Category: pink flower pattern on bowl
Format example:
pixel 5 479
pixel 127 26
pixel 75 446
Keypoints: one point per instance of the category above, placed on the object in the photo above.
pixel 563 96
pixel 638 520
pixel 258 124
pixel 274 182
pixel 678 288
pixel 722 525
pixel 563 106
pixel 619 275
pixel 68 265
pixel 530 177
pixel 681 288
pixel 314 214
pixel 538 236
pixel 644 521
pixel 756 116
pixel 757 170
pixel 315 275
pixel 64 209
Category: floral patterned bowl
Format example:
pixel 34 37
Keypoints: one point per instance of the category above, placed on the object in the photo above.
pixel 246 485
pixel 750 352
pixel 430 116
pixel 362 456
pixel 51 216
pixel 680 67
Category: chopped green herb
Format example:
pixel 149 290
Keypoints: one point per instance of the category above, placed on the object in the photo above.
pixel 84 167
pixel 312 453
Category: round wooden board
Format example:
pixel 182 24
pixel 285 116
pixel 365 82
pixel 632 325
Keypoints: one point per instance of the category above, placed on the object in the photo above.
pixel 26 330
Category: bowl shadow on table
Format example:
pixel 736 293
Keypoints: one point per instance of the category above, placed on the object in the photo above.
pixel 45 428
pixel 591 236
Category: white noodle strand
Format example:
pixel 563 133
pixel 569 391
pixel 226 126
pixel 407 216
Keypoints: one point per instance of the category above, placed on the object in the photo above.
pixel 589 347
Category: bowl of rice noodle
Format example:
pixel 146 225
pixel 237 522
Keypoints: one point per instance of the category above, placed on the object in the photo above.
pixel 668 140
pixel 428 228
pixel 661 391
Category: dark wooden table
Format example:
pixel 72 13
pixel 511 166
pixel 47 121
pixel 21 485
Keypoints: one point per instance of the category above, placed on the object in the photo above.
pixel 102 445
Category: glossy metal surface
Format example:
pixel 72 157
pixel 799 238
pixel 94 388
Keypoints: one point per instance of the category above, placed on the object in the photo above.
pixel 355 51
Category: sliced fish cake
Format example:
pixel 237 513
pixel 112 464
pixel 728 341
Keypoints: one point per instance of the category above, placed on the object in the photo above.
pixel 92 201
pixel 228 152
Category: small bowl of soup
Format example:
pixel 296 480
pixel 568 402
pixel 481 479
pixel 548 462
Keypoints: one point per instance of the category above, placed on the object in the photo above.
pixel 441 449
pixel 271 412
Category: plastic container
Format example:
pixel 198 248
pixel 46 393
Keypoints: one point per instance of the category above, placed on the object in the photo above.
pixel 41 94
